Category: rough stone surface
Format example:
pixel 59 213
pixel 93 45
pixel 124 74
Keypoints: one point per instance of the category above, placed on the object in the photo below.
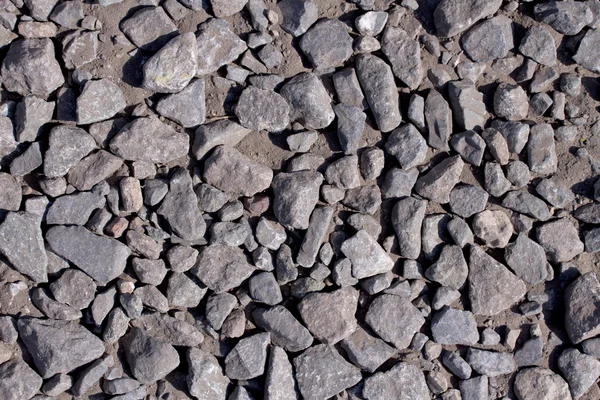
pixel 394 319
pixel 403 382
pixel 327 44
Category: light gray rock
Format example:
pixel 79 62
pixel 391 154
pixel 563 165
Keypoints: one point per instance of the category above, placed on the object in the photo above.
pixel 223 132
pixel 18 381
pixel 581 308
pixel 538 44
pixel 74 209
pixel 10 192
pixel 280 383
pixel 474 388
pixel 259 109
pixel 408 146
pixel 296 195
pixel 31 115
pixel 149 28
pixel 407 219
pixel 284 328
pixel 438 117
pixel 452 17
pixel 467 200
pixel 496 183
pixel 149 359
pixel 580 370
pixel 102 258
pixel 74 288
pixel 560 239
pixel 541 151
pixel 298 15
pixel 439 181
pixel 173 66
pixel 450 269
pixel 344 173
pixel 191 99
pixel 451 326
pixel 350 126
pixel 404 54
pixel 496 145
pixel 310 104
pixel 367 256
pixel 99 100
pixel 327 44
pixel 40 10
pixel 67 146
pixel 585 55
pixel 527 259
pixel 263 288
pixel 226 8
pixel 489 40
pixel 8 143
pixel 456 364
pixel 217 45
pixel 93 169
pixel 149 139
pixel 248 358
pixel 403 382
pixel 568 18
pixel 205 378
pixel 467 105
pixel 540 383
pixel 490 363
pixel 394 319
pixel 493 227
pixel 348 89
pixel 366 351
pixel 470 146
pixel 515 133
pixel 222 268
pixel 511 102
pixel 399 183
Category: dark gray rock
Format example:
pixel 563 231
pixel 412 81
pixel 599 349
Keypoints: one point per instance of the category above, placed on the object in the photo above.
pixel 438 117
pixel 451 327
pixel 589 213
pixel 149 359
pixel 585 55
pixel 531 353
pixel 327 44
pixel 18 381
pixel 452 17
pixel 217 45
pixel 540 383
pixel 365 199
pixel 541 152
pixel 324 361
pixel 74 288
pixel 74 209
pixel 568 17
pixel 296 195
pixel 344 173
pixel 93 169
pixel 280 382
pixel 489 40
pixel 366 351
pixel 467 105
pixel 582 308
pixel 511 102
pixel 320 220
pixel 248 358
pixel 28 161
pixel 149 28
pixel 31 115
pixel 99 100
pixel 403 382
pixel 399 183
pixel 52 308
pixel 310 104
pixel 205 378
pixel 263 288
pixel 554 193
pixel 222 268
pixel 67 146
pixel 284 328
pixel 226 8
pixel 439 181
pixel 490 363
pixel 496 145
pixel 474 388
pixel 58 346
pixel 350 126
pixel 91 375
pixel 467 200
pixel 259 109
pixel 367 256
pixel 192 100
pixel 450 269
pixel 394 319
pixel 168 329
pixel 496 183
pixel 469 145
pixel 404 54
pixel 580 370
pixel 102 258
pixel 538 44
pixel 407 219
pixel 347 88
pixel 527 259
pixel 408 146
pixel 298 15
pixel 560 239
pixel 456 364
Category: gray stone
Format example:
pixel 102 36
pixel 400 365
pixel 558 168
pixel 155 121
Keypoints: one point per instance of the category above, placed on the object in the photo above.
pixel 439 181
pixel 365 199
pixel 58 346
pixel 378 83
pixel 585 55
pixel 22 244
pixel 298 15
pixel 371 23
pixel 474 388
pixel 18 381
pixel 527 259
pixel 489 40
pixel 263 288
pixel 79 48
pixel 452 17
pixel 100 257
pixel 490 363
pixel 226 8
pixel 515 133
pixel 28 161
pixel 149 139
pixel 310 104
pixel 148 358
pixel 351 125
pixel 149 28
pixel 582 308
pixel 168 329
pixel 74 209
pixel 408 146
pixel 399 183
pixel 248 358
pixel 258 14
pixel 10 193
pixel 120 385
pixel 325 362
pixel 542 80
pixel 538 44
pixel 319 224
pixel 31 115
pixel 40 10
pixel 589 213
pixel 493 228
pixel 580 370
pixel 152 298
pixel 270 234
pixel 301 142
pixel 93 169
pixel 330 316
pixel 591 347
pixel 192 100
pixel 438 117
pixel 460 232
pixel 218 307
pixel 404 54
pixel 470 146
pixel 492 287
pixel 8 144
pixel 568 18
pixel 555 194
pixel 372 162
pixel 560 239
pixel 566 134
pixel 531 353
pixel 451 327
pixel 407 219
pixel 511 102
pixel 67 14
pixel 151 272
pixel 183 292
pixel 403 382
pixel 528 204
pixel 366 351
pixel 222 268
pixel 74 288
pixel 58 384
pixel 394 319
pixel 496 145
pixel 456 364
pixel 52 308
pixel 416 111
pixel 496 183
pixel 435 234
pixel 367 256
pixel 285 269
pixel 205 378
pixel 467 105
pixel 217 45
pixel 539 104
pixel 30 68
pixel 344 173
pixel 279 383
pixel 540 383
pixel 173 66
pixel 67 146
pixel 91 375
pixel 517 172
pixel 284 328
pixel 296 195
pixel 259 109
pixel 99 100
pixel 327 44
pixel 450 269
pixel 467 200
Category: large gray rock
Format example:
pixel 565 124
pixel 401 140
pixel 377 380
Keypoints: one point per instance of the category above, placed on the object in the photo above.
pixel 408 146
pixel 378 83
pixel 470 146
pixel 100 257
pixel 403 382
pixel 259 109
pixel 226 8
pixel 528 204
pixel 527 259
pixel 438 117
pixel 18 381
pixel 366 351
pixel 489 40
pixel 310 104
pixel 490 363
pixel 286 331
pixel 217 45
pixel 229 170
pixel 450 269
pixel 187 107
pixel 467 105
pixel 180 208
pixel 99 100
pixel 320 220
pixel 350 126
pixel 327 44
pixel 93 169
pixel 439 181
pixel 149 139
pixel 407 219
pixel 8 143
pixel 451 327
pixel 67 146
pixel 248 358
pixel 224 132
pixel 173 66
pixel 367 256
pixel 321 372
pixel 222 268
pixel 31 116
pixel 538 44
pixel 150 28
pixel 79 48
pixel 74 209
pixel 566 17
pixel 586 55
pixel 280 382
pixel 452 17
pixel 394 319
pixel 541 383
pixel 541 150
pixel 30 68
pixel 404 54
pixel 467 200
pixel 205 378
pixel 560 239
pixel 149 359
pixel 582 308
pixel 511 102
pixel 296 195
pixel 580 370
pixel 22 244
pixel 493 227
pixel 58 346
pixel 298 15
pixel 492 287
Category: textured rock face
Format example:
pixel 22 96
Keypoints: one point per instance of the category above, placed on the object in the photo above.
pixel 453 17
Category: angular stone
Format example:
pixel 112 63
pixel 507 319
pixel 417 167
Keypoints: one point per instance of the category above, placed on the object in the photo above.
pixel 541 383
pixel 580 370
pixel 493 228
pixel 351 125
pixel 149 28
pixel 492 287
pixel 100 257
pixel 280 382
pixel 451 327
pixel 399 183
pixel 67 146
pixel 169 330
pixel 8 144
pixel 284 328
pixel 222 268
pixel 515 133
pixel 10 193
pixel 173 66
pixel 99 100
pixel 538 44
pixel 557 195
pixel 74 288
pixel 93 169
pixel 309 101
pixel 259 109
pixel 320 220
pixel 205 379
pixel 325 362
pixel 58 346
pixel 586 56
pixel 496 183
pixel 74 209
pixel 191 99
pixel 18 381
pixel 527 259
pixel 438 117
pixel 298 15
pixel 31 115
pixel 30 68
pixel 378 83
pixel 582 308
pixel 217 45
pixel 496 145
pixel 474 388
pixel 296 195
pixel 407 145
pixel 394 319
pixel 450 270
pixel 344 173
pixel 470 146
pixel 511 102
pixel 149 359
pixel 467 200
pixel 452 17
pixel 560 239
pixel 226 8
pixel 439 181
pixel 327 44
pixel 541 152
pixel 367 256
pixel 404 54
pixel 347 88
pixel 403 382
pixel 490 363
pixel 568 18
pixel 263 288
pixel 366 351
pixel 467 105
pixel 489 40
pixel 79 48
pixel 248 358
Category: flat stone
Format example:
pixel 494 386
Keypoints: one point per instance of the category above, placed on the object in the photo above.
pixel 259 109
pixel 280 382
pixel 438 182
pixel 149 139
pixel 205 378
pixel 74 209
pixel 58 346
pixel 467 105
pixel 217 45
pixel 173 66
pixel 557 195
pixel 450 269
pixel 538 44
pixel 296 195
pixel 284 328
pixel 298 15
pixel 585 55
pixel 31 115
pixel 452 17
pixel 367 256
pixel 79 48
pixel 222 268
pixel 467 200
pixel 347 88
pixel 67 146
pixel 492 287
pixel 493 228
pixel 474 388
pixel 324 361
pixel 93 169
pixel 344 173
pixel 438 117
pixel 568 18
pixel 582 307
pixel 527 259
pixel 377 80
pixel 263 288
pixel 327 44
pixel 541 151
pixel 403 382
pixel 149 28
pixel 580 370
pixel 408 146
pixel 511 102
pixel 195 109
pixel 560 239
pixel 470 146
pixel 399 183
pixel 149 359
pixel 407 219
pixel 394 319
pixel 309 101
pixel 490 363
pixel 490 40
pixel 226 8
pixel 248 358
pixel 320 220
pixel 541 383
pixel 74 288
pixel 18 381
pixel 451 326
pixel 351 126
pixel 30 68
pixel 100 257
pixel 40 10
pixel 211 135
pixel 404 54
